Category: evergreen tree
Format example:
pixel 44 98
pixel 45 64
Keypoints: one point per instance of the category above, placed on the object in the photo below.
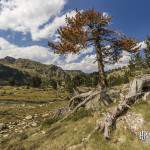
pixel 147 52
pixel 70 85
pixel 36 81
pixel 132 63
pixel 12 81
pixel 53 83
pixel 136 62
pixel 90 28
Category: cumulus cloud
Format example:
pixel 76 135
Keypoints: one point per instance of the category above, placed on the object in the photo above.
pixel 75 57
pixel 50 29
pixel 87 63
pixel 5 44
pixel 35 52
pixel 142 45
pixel 32 16
pixel 84 61
pixel 123 61
pixel 44 55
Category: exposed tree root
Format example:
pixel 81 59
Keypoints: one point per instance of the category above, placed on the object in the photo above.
pixel 137 89
pixel 98 93
pixel 81 104
pixel 80 100
pixel 112 117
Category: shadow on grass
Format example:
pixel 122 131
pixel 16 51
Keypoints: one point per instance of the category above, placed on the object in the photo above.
pixel 81 113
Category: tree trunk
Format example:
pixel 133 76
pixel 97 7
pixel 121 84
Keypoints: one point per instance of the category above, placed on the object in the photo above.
pixel 102 76
pixel 138 87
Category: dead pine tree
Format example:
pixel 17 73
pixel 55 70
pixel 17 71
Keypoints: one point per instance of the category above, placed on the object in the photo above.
pixel 90 28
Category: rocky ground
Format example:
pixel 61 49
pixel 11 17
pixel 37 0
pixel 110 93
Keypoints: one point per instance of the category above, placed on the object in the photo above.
pixel 25 110
pixel 22 125
pixel 28 122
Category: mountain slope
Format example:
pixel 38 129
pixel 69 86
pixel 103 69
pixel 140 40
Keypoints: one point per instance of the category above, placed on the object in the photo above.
pixel 51 74
pixel 11 76
pixel 35 69
pixel 30 66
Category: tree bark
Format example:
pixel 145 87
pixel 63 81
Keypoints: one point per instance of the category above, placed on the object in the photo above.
pixel 112 117
pixel 136 91
pixel 102 76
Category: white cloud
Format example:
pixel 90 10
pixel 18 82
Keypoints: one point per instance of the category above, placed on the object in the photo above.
pixel 123 61
pixel 70 62
pixel 75 57
pixel 29 15
pixel 37 53
pixel 5 44
pixel 86 64
pixel 44 55
pixel 50 29
pixel 142 45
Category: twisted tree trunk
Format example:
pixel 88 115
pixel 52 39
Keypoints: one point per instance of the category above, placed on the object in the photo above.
pixel 102 95
pixel 102 76
pixel 138 87
pixel 97 96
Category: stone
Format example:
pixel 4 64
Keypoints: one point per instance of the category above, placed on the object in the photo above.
pixel 75 129
pixel 45 115
pixel 4 131
pixel 122 139
pixel 43 132
pixel 22 123
pixel 5 135
pixel 20 131
pixel 24 127
pixel 28 117
pixel 34 124
pixel 14 123
pixel 146 97
pixel 134 122
pixel 36 115
pixel 23 105
pixel 139 85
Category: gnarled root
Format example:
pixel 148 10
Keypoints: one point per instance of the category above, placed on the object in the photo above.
pixel 121 109
pixel 136 91
pixel 98 94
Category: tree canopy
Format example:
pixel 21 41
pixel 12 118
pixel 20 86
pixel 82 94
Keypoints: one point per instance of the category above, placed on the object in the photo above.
pixel 91 28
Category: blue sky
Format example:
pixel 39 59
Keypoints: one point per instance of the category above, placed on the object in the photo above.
pixel 26 26
pixel 129 16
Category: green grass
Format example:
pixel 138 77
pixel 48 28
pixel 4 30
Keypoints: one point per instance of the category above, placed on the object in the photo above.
pixel 72 131
pixel 28 102
pixel 144 109
pixel 24 93
pixel 81 113
pixel 48 122
pixel 60 136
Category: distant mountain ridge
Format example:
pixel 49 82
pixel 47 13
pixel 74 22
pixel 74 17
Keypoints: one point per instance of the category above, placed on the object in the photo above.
pixel 28 72
pixel 33 68
pixel 12 76
pixel 30 68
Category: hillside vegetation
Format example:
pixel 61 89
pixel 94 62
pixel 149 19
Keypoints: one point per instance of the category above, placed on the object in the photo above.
pixel 29 116
pixel 30 119
pixel 31 73
pixel 43 75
